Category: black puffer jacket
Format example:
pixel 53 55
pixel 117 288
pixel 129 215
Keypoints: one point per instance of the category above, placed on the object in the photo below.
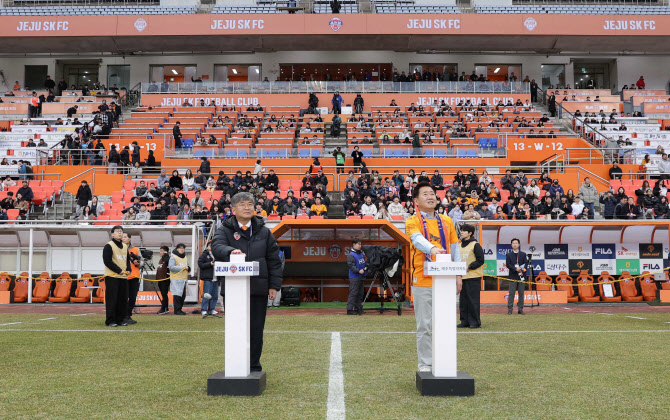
pixel 205 265
pixel 261 246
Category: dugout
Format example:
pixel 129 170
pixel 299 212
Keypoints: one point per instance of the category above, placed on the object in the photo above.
pixel 316 252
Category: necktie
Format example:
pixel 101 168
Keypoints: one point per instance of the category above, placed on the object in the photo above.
pixel 245 228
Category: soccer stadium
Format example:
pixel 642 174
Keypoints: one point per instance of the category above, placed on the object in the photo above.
pixel 334 209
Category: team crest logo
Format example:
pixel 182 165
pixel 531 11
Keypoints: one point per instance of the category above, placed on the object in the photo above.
pixel 530 24
pixel 335 24
pixel 236 235
pixel 335 251
pixel 140 24
pixel 532 249
pixel 580 264
pixel 233 269
pixel 650 248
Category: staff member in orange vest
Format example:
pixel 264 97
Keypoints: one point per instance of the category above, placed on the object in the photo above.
pixel 133 277
pixel 430 233
pixel 34 105
pixel 314 169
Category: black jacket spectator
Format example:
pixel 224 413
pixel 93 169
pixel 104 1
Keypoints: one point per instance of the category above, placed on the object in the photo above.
pixel 513 259
pixel 84 195
pixel 205 167
pixel 205 264
pixel 26 193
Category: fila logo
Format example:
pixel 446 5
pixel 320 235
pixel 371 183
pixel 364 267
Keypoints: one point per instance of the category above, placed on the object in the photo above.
pixel 650 266
pixel 603 251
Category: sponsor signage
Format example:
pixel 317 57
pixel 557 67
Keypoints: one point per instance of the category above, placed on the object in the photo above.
pixel 651 251
pixel 243 269
pixel 554 267
pixel 603 251
pixel 434 268
pixel 503 250
pixel 538 265
pixel 545 296
pixel 578 251
pixel 630 265
pixel 579 265
pixel 535 251
pixel 651 265
pixel 600 266
pixel 501 269
pixel 626 251
pixel 151 298
pixel 490 267
pixel 556 252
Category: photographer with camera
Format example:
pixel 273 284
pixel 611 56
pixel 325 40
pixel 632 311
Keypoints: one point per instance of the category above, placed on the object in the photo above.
pixel 178 266
pixel 163 285
pixel 516 262
pixel 133 277
pixel 210 287
pixel 357 273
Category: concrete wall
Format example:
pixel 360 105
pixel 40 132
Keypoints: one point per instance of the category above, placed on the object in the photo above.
pixel 626 70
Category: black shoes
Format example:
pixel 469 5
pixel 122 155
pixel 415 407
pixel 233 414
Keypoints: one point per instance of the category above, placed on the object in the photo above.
pixel 129 321
pixel 521 312
pixel 179 312
pixel 462 326
pixel 352 312
pixel 162 312
pixel 509 312
pixel 474 326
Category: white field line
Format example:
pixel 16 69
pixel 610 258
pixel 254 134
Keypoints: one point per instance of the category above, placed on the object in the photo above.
pixel 335 409
pixel 634 317
pixel 125 330
pixel 46 319
pixel 9 323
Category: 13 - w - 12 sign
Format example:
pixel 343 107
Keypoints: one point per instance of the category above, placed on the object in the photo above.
pixel 573 258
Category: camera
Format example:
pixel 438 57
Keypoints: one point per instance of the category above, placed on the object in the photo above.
pixel 147 257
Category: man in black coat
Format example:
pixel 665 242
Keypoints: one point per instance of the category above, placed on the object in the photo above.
pixel 84 195
pixel 516 262
pixel 176 133
pixel 243 233
pixel 205 166
pixel 210 286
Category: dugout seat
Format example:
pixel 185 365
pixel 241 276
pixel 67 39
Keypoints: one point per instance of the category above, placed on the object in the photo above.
pixel 564 282
pixel 665 285
pixel 585 289
pixel 648 286
pixel 42 288
pixel 21 288
pixel 543 281
pixel 605 277
pixel 100 293
pixel 82 295
pixel 5 281
pixel 628 288
pixel 63 289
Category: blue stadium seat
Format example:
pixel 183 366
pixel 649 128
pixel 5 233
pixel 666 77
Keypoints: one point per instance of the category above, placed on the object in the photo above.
pixel 493 142
pixel 461 154
pixel 316 153
pixel 367 153
pixel 303 154
pixel 187 143
pixel 407 153
pixel 210 154
pixel 472 154
pixel 428 153
pixel 273 154
pixel 440 153
pixel 199 154
pixel 242 154
pixel 483 142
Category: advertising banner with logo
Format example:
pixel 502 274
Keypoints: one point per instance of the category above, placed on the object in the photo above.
pixel 295 99
pixel 548 296
pixel 556 252
pixel 554 267
pixel 490 267
pixel 579 251
pixel 627 251
pixel 325 251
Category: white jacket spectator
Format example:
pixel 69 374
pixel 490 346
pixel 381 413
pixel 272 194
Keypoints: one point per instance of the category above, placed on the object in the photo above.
pixel 396 209
pixel 143 215
pixel 664 165
pixel 368 210
pixel 535 189
pixel 577 207
pixel 188 183
pixel 588 192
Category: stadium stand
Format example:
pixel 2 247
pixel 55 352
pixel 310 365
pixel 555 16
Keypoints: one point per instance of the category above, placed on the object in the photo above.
pixel 575 9
pixel 413 7
pixel 68 10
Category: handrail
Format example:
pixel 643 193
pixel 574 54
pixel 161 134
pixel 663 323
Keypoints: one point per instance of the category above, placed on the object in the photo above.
pixel 336 86
pixel 572 116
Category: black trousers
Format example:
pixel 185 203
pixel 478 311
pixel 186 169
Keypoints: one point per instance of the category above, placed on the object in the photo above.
pixel 356 294
pixel 133 288
pixel 513 287
pixel 116 300
pixel 178 301
pixel 164 288
pixel 469 303
pixel 258 310
pixel 340 168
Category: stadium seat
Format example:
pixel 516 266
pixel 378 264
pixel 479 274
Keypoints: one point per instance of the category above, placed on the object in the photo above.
pixel 100 292
pixel 5 281
pixel 63 289
pixel 543 278
pixel 605 277
pixel 129 185
pixel 117 197
pixel 483 142
pixel 304 154
pixel 302 217
pixel 82 295
pixel 101 220
pixel 21 288
pixel 564 282
pixel 274 217
pixel 288 217
pixel 317 217
pixel 493 142
pixel 368 217
pixel 42 288
pixel 628 288
pixel 188 143
pixel 13 214
pixel 587 292
pixel 354 217
pixel 648 286
pixel 397 218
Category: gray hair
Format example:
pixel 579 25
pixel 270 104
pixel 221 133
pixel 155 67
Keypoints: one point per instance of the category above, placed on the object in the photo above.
pixel 241 196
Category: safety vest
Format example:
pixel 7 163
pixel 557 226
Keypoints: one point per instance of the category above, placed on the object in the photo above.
pixel 181 262
pixel 468 256
pixel 339 159
pixel 35 101
pixel 315 169
pixel 134 270
pixel 120 258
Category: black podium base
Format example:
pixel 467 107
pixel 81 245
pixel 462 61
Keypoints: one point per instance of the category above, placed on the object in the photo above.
pixel 252 385
pixel 463 385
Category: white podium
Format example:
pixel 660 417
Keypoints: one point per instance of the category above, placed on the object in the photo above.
pixel 237 378
pixel 445 379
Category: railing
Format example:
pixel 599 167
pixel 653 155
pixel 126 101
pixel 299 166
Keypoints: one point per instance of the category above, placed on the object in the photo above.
pixel 434 87
pixel 18 3
pixel 592 2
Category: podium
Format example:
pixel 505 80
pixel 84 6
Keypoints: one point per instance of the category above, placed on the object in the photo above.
pixel 237 378
pixel 445 378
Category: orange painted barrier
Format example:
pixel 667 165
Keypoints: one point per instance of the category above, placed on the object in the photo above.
pixel 50 108
pixel 656 108
pixel 665 296
pixel 14 109
pixel 629 93
pixel 543 296
pixel 5 296
pixel 592 106
pixel 639 100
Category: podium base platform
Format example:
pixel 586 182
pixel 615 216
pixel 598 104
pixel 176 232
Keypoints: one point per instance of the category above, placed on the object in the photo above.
pixel 463 385
pixel 252 385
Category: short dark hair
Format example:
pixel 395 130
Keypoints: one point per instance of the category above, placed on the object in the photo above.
pixel 116 228
pixel 356 241
pixel 420 185
pixel 128 234
pixel 515 239
pixel 165 248
pixel 468 228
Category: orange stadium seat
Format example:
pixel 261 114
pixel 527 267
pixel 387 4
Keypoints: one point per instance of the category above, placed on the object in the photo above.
pixel 545 281
pixel 585 288
pixel 606 278
pixel 628 288
pixel 21 288
pixel 63 289
pixel 100 292
pixel 665 285
pixel 42 288
pixel 5 282
pixel 564 282
pixel 82 295
pixel 648 286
